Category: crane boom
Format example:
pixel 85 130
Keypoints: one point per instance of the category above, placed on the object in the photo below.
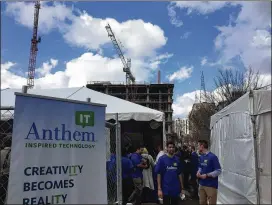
pixel 127 63
pixel 34 47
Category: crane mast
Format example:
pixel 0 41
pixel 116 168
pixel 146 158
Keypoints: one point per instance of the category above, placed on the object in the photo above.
pixel 127 63
pixel 34 47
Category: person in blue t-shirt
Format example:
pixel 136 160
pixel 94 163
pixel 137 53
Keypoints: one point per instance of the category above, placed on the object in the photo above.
pixel 169 177
pixel 208 172
pixel 127 183
pixel 137 175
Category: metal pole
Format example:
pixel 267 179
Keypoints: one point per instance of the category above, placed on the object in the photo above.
pixel 118 161
pixel 24 89
pixel 255 144
pixel 163 132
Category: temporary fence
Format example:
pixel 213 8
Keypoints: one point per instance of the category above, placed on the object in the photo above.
pixel 6 124
pixel 113 155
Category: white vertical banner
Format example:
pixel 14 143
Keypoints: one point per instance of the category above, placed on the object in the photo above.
pixel 58 152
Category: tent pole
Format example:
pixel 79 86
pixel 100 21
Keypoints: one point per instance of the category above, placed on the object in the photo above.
pixel 256 151
pixel 163 132
pixel 118 161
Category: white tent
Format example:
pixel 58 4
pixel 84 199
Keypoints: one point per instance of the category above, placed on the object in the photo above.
pixel 241 138
pixel 126 110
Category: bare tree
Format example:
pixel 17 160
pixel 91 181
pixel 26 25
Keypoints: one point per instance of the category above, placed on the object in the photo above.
pixel 231 85
pixel 199 119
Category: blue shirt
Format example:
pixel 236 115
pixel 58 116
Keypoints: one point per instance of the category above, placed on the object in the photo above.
pixel 111 168
pixel 169 168
pixel 194 161
pixel 136 160
pixel 207 164
pixel 127 168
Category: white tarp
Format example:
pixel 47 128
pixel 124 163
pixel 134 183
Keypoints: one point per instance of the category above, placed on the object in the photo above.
pixel 58 152
pixel 233 142
pixel 126 110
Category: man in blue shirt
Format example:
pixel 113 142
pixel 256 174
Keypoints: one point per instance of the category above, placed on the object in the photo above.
pixel 137 175
pixel 127 183
pixel 208 172
pixel 169 177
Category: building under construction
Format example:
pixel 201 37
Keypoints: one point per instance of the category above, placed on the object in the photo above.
pixel 155 96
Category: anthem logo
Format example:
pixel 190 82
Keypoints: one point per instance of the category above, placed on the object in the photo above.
pixel 84 118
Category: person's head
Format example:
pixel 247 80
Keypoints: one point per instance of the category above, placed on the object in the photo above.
pixel 170 146
pixel 139 149
pixel 159 148
pixel 202 146
pixel 184 148
pixel 145 151
pixel 193 148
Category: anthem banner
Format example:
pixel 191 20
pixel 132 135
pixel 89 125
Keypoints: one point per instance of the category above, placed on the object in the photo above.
pixel 58 152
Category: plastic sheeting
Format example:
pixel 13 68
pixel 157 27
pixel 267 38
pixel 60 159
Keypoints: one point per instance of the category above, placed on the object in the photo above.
pixel 126 110
pixel 233 142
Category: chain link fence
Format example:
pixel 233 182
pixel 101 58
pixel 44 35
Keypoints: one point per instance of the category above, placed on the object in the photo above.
pixel 111 165
pixel 6 124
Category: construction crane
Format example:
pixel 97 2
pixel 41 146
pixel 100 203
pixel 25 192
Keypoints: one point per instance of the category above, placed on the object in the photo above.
pixel 130 79
pixel 34 47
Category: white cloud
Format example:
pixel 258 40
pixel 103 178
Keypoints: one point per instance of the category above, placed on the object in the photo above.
pixel 249 38
pixel 174 20
pixel 6 66
pixel 183 104
pixel 87 67
pixel 186 35
pixel 182 74
pixel 50 17
pixel 158 60
pixel 201 7
pixel 140 42
pixel 204 61
pixel 8 79
pixel 139 38
pixel 47 67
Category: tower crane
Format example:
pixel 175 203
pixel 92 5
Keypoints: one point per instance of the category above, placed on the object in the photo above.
pixel 34 47
pixel 130 79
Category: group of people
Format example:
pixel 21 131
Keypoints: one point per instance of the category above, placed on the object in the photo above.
pixel 167 178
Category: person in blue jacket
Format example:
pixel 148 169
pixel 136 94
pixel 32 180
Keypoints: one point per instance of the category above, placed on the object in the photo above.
pixel 169 177
pixel 208 172
pixel 137 175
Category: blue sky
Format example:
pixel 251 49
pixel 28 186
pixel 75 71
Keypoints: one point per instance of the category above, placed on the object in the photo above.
pixel 181 39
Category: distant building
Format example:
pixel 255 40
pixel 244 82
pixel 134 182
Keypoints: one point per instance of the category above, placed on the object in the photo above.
pixel 158 96
pixel 181 127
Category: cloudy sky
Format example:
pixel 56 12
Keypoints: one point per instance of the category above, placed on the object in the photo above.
pixel 181 39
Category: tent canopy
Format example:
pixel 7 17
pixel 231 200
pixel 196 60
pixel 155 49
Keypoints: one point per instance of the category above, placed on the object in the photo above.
pixel 262 104
pixel 125 109
pixel 243 147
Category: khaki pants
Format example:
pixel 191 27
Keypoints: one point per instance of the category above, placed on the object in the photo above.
pixel 136 195
pixel 207 195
